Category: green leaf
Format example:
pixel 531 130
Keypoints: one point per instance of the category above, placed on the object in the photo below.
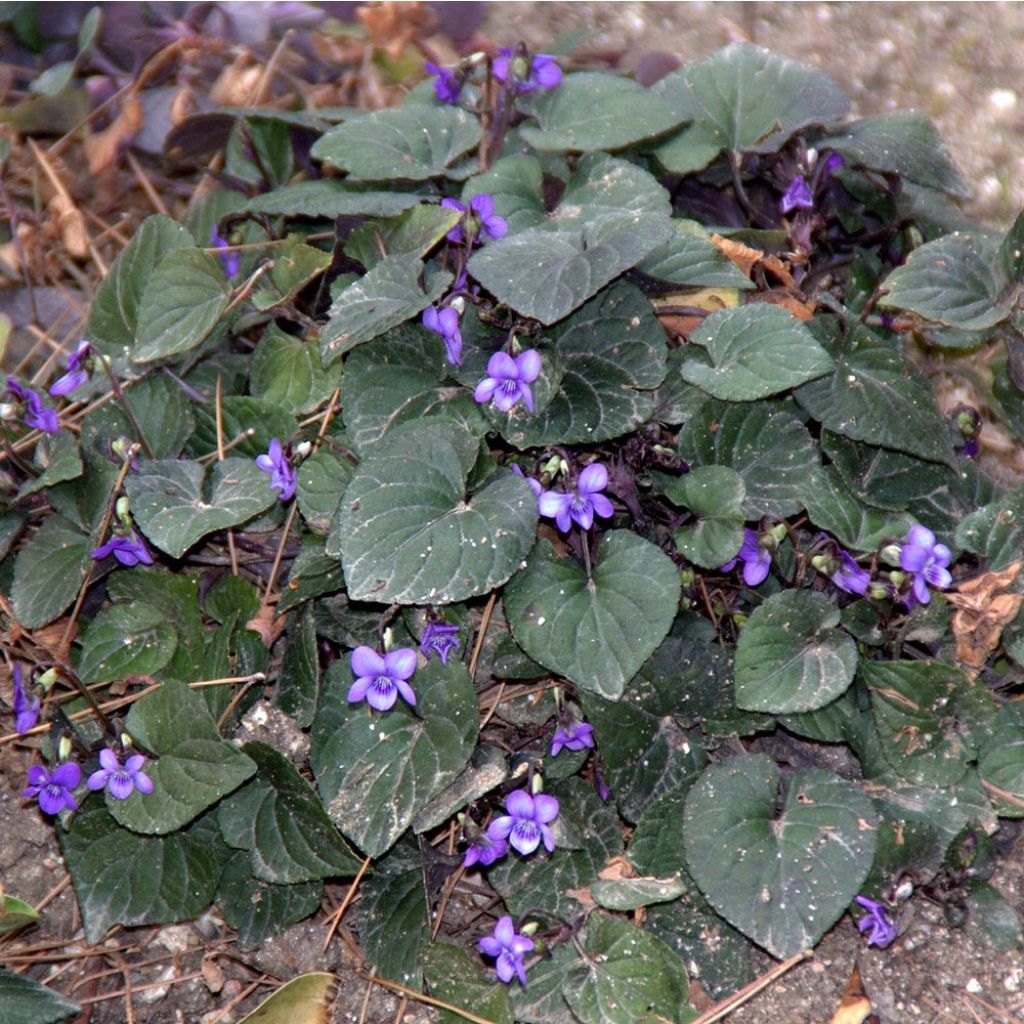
pixel 395 926
pixel 298 682
pixel 543 999
pixel 176 503
pixel 412 233
pixel 596 631
pixel 249 423
pixel 743 99
pixel 795 866
pixel 27 1002
pixel 877 396
pixel 321 481
pixel 402 377
pixel 408 531
pixel 258 910
pixel 487 769
pixel 193 767
pixel 756 350
pixel 15 913
pixel 544 880
pixel 628 977
pixel 413 142
pixel 126 639
pixel 286 371
pixel 1001 760
pixel 114 314
pixel 591 110
pixel 57 458
pixel 770 449
pixel 953 280
pixel 692 260
pixel 48 572
pixel 610 217
pixel 278 818
pixel 632 893
pixel 855 525
pixel 161 410
pixel 992 917
pixel 455 977
pixel 231 598
pixel 329 199
pixel 385 297
pixel 613 354
pixel 182 302
pixel 995 531
pixel 376 771
pixel 903 142
pixel 714 494
pixel 790 657
pixel 930 718
pixel 516 184
pixel 124 878
pixel 292 268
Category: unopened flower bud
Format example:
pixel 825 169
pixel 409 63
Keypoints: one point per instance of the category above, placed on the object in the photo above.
pixel 45 682
pixel 303 448
pixel 388 638
pixel 64 748
pixel 878 591
pixel 891 554
pixel 903 891
pixel 536 784
pixel 778 533
pixel 458 304
pixel 529 929
pixel 121 508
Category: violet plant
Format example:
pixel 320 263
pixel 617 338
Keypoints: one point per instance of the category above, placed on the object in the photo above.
pixel 523 401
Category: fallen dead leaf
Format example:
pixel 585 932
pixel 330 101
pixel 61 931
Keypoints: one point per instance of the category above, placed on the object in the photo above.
pixel 984 608
pixel 789 299
pixel 103 148
pixel 855 1006
pixel 616 869
pixel 269 626
pixel 392 26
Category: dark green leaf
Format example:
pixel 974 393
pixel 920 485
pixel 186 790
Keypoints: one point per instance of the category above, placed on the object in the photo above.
pixel 193 768
pixel 27 1002
pixel 714 494
pixel 126 639
pixel 57 458
pixel 408 532
pixel 793 866
pixel 258 910
pixel 691 259
pixel 413 142
pixel 175 503
pixel 247 423
pixel 182 302
pixel 790 657
pixel 995 531
pixel 321 481
pixel 590 111
pixel 854 524
pixel 1001 760
pixel 412 233
pixel 286 371
pixel 292 268
pixel 516 184
pixel 48 572
pixel 744 99
pixel 756 351
pixel 376 771
pixel 596 631
pixel 455 977
pixel 329 199
pixel 992 917
pixel 543 999
pixel 124 878
pixel 387 296
pixel 632 893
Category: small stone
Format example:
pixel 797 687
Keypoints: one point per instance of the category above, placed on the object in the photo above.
pixel 973 985
pixel 1002 100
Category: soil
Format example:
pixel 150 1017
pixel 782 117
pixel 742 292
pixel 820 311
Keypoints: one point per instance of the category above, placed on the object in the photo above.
pixel 959 63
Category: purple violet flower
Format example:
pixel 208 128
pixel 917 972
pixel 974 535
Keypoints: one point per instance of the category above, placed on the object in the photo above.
pixel 380 680
pixel 927 561
pixel 543 73
pixel 229 260
pixel 282 475
pixel 26 711
pixel 36 415
pixel 797 197
pixel 77 374
pixel 482 219
pixel 849 576
pixel 831 164
pixel 484 850
pixel 880 930
pixel 581 504
pixel 127 550
pixel 508 380
pixel 508 948
pixel 440 637
pixel 600 785
pixel 54 789
pixel 120 780
pixel 535 485
pixel 757 560
pixel 447 85
pixel 446 323
pixel 526 823
pixel 579 736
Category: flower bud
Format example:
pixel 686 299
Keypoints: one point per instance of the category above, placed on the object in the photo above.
pixel 121 508
pixel 891 554
pixel 8 411
pixel 303 448
pixel 878 591
pixel 530 928
pixel 45 682
pixel 536 784
pixel 126 741
pixel 64 748
pixel 903 891
pixel 388 638
pixel 458 304
pixel 778 534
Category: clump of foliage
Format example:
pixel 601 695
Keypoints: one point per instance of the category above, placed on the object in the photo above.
pixel 542 459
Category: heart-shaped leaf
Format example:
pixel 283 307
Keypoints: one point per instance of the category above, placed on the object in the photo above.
pixel 376 771
pixel 596 631
pixel 177 503
pixel 790 656
pixel 455 977
pixel 407 530
pixel 756 350
pixel 286 371
pixel 258 910
pixel 279 819
pixel 1001 760
pixel 48 571
pixel 714 494
pixel 793 868
pixel 126 639
pixel 27 1002
pixel 329 198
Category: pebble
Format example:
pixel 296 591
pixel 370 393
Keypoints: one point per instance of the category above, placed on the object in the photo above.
pixel 1002 100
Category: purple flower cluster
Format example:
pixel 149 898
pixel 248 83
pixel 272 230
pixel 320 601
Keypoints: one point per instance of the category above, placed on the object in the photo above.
pixel 926 561
pixel 229 259
pixel 35 415
pixel 381 680
pixel 581 504
pixel 525 825
pixel 117 779
pixel 480 220
pixel 282 474
pixel 578 736
pixel 26 709
pixel 508 948
pixel 447 85
pixel 54 790
pixel 508 380
pixel 756 559
pixel 876 925
pixel 445 322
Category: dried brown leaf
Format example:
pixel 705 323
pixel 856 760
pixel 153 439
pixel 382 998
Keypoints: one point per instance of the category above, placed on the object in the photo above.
pixel 103 148
pixel 984 608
